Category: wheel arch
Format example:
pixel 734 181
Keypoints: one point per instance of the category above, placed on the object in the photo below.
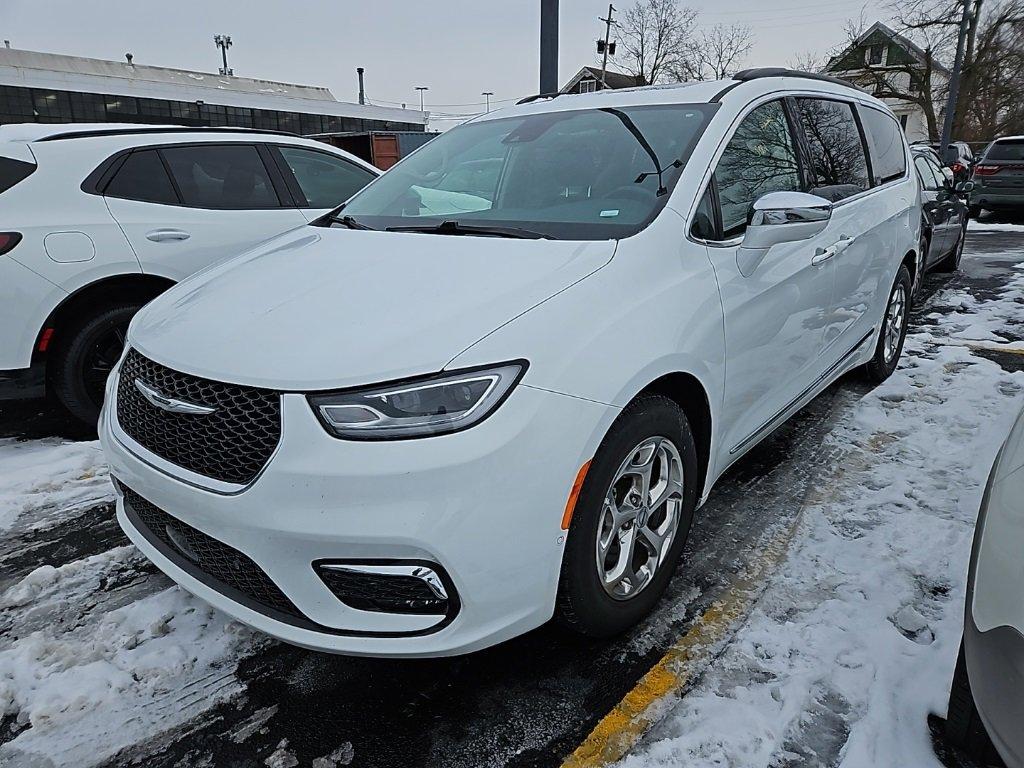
pixel 90 299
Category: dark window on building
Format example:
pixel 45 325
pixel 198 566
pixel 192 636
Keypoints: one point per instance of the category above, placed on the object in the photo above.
pixel 265 119
pixel 239 117
pixel 885 142
pixel 154 107
pixel 185 111
pixel 51 106
pixel 88 108
pixel 142 177
pixel 310 124
pixel 325 180
pixel 121 106
pixel 289 121
pixel 838 166
pixel 759 158
pixel 15 105
pixel 221 176
pixel 876 53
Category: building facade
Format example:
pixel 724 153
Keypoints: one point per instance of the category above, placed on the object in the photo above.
pixel 52 88
pixel 588 80
pixel 899 72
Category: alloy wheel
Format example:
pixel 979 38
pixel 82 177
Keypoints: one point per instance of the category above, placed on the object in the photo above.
pixel 100 360
pixel 639 517
pixel 894 317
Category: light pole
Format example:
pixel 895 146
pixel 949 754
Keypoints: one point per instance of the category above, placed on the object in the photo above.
pixel 954 82
pixel 549 46
pixel 224 42
pixel 421 89
pixel 487 95
pixel 607 37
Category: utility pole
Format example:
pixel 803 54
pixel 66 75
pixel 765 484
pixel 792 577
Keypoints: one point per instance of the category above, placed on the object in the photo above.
pixel 487 95
pixel 362 90
pixel 548 46
pixel 421 89
pixel 954 80
pixel 607 39
pixel 224 42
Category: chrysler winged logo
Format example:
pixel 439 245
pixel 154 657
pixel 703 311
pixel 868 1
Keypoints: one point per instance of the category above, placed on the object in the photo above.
pixel 169 403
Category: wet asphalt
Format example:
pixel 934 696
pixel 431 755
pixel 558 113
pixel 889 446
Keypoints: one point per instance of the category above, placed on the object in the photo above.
pixel 527 702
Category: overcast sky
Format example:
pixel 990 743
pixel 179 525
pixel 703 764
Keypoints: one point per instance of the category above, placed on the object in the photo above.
pixel 459 48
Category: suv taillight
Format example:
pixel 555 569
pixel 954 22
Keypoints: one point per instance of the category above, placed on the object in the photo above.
pixel 959 167
pixel 8 240
pixel 986 170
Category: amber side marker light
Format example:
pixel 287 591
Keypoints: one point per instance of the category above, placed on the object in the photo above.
pixel 570 505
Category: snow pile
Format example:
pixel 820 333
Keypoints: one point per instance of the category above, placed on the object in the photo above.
pixel 982 226
pixel 45 475
pixel 83 681
pixel 853 643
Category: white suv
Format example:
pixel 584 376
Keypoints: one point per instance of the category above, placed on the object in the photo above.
pixel 495 386
pixel 96 220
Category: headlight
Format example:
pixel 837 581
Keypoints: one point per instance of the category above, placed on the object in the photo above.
pixel 434 405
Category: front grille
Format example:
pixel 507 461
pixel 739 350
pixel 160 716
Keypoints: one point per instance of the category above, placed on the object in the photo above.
pixel 231 444
pixel 387 593
pixel 206 558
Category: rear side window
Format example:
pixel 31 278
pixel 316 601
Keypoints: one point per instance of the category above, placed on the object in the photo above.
pixel 885 142
pixel 13 171
pixel 928 176
pixel 1012 151
pixel 142 177
pixel 759 158
pixel 326 181
pixel 226 176
pixel 839 168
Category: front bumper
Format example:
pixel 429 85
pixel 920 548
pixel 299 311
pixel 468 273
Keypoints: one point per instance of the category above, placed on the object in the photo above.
pixel 993 631
pixel 484 504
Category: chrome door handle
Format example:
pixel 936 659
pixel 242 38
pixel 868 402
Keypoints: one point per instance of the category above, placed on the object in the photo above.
pixel 164 235
pixel 823 254
pixel 844 242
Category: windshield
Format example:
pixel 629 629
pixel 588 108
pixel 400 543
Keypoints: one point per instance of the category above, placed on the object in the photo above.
pixel 591 174
pixel 1006 150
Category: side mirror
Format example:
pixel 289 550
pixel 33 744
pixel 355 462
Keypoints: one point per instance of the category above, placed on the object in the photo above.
pixel 964 187
pixel 781 217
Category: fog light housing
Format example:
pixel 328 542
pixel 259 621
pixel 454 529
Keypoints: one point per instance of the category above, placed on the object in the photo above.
pixel 416 588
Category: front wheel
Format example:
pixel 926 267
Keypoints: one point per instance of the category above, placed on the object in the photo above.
pixel 85 358
pixel 631 519
pixel 964 728
pixel 894 330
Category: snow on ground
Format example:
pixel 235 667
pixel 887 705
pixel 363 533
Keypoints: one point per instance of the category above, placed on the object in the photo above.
pixel 853 643
pixel 992 226
pixel 41 477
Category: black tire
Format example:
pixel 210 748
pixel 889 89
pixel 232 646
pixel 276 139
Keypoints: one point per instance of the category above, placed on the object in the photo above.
pixel 882 365
pixel 583 604
pixel 974 211
pixel 919 273
pixel 85 351
pixel 951 263
pixel 964 728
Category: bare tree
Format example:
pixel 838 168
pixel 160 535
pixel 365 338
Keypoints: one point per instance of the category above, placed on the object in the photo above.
pixel 654 37
pixel 715 53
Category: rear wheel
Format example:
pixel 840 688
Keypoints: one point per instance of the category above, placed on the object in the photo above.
pixel 86 356
pixel 951 263
pixel 964 728
pixel 631 519
pixel 893 332
pixel 922 261
pixel 974 211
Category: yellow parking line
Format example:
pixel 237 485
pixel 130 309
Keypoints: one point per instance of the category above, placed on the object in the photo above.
pixel 630 719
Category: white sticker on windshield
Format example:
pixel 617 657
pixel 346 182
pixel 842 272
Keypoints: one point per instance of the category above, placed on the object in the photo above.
pixel 610 214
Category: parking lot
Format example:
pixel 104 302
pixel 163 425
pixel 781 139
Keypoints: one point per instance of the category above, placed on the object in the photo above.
pixel 803 621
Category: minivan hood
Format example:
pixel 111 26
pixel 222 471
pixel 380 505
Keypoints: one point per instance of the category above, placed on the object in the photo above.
pixel 321 308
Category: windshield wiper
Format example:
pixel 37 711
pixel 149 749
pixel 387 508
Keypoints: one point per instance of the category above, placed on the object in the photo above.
pixel 452 227
pixel 348 221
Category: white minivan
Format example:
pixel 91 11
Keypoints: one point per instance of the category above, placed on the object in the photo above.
pixel 496 384
pixel 96 220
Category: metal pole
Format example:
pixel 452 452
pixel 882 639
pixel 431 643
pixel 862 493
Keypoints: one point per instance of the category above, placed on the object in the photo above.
pixel 954 81
pixel 362 90
pixel 548 46
pixel 421 89
pixel 607 37
pixel 487 95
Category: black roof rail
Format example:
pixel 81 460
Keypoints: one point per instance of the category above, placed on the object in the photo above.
pixel 758 72
pixel 537 96
pixel 94 132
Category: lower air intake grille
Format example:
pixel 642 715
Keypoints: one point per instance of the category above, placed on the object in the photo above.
pixel 385 593
pixel 208 559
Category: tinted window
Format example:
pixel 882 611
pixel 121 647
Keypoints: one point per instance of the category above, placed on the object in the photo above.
pixel 928 177
pixel 221 176
pixel 325 180
pixel 142 177
pixel 704 219
pixel 885 140
pixel 589 174
pixel 1006 150
pixel 12 171
pixel 838 166
pixel 759 158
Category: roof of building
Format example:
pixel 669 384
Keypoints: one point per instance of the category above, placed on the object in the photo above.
pixel 912 48
pixel 74 73
pixel 612 79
